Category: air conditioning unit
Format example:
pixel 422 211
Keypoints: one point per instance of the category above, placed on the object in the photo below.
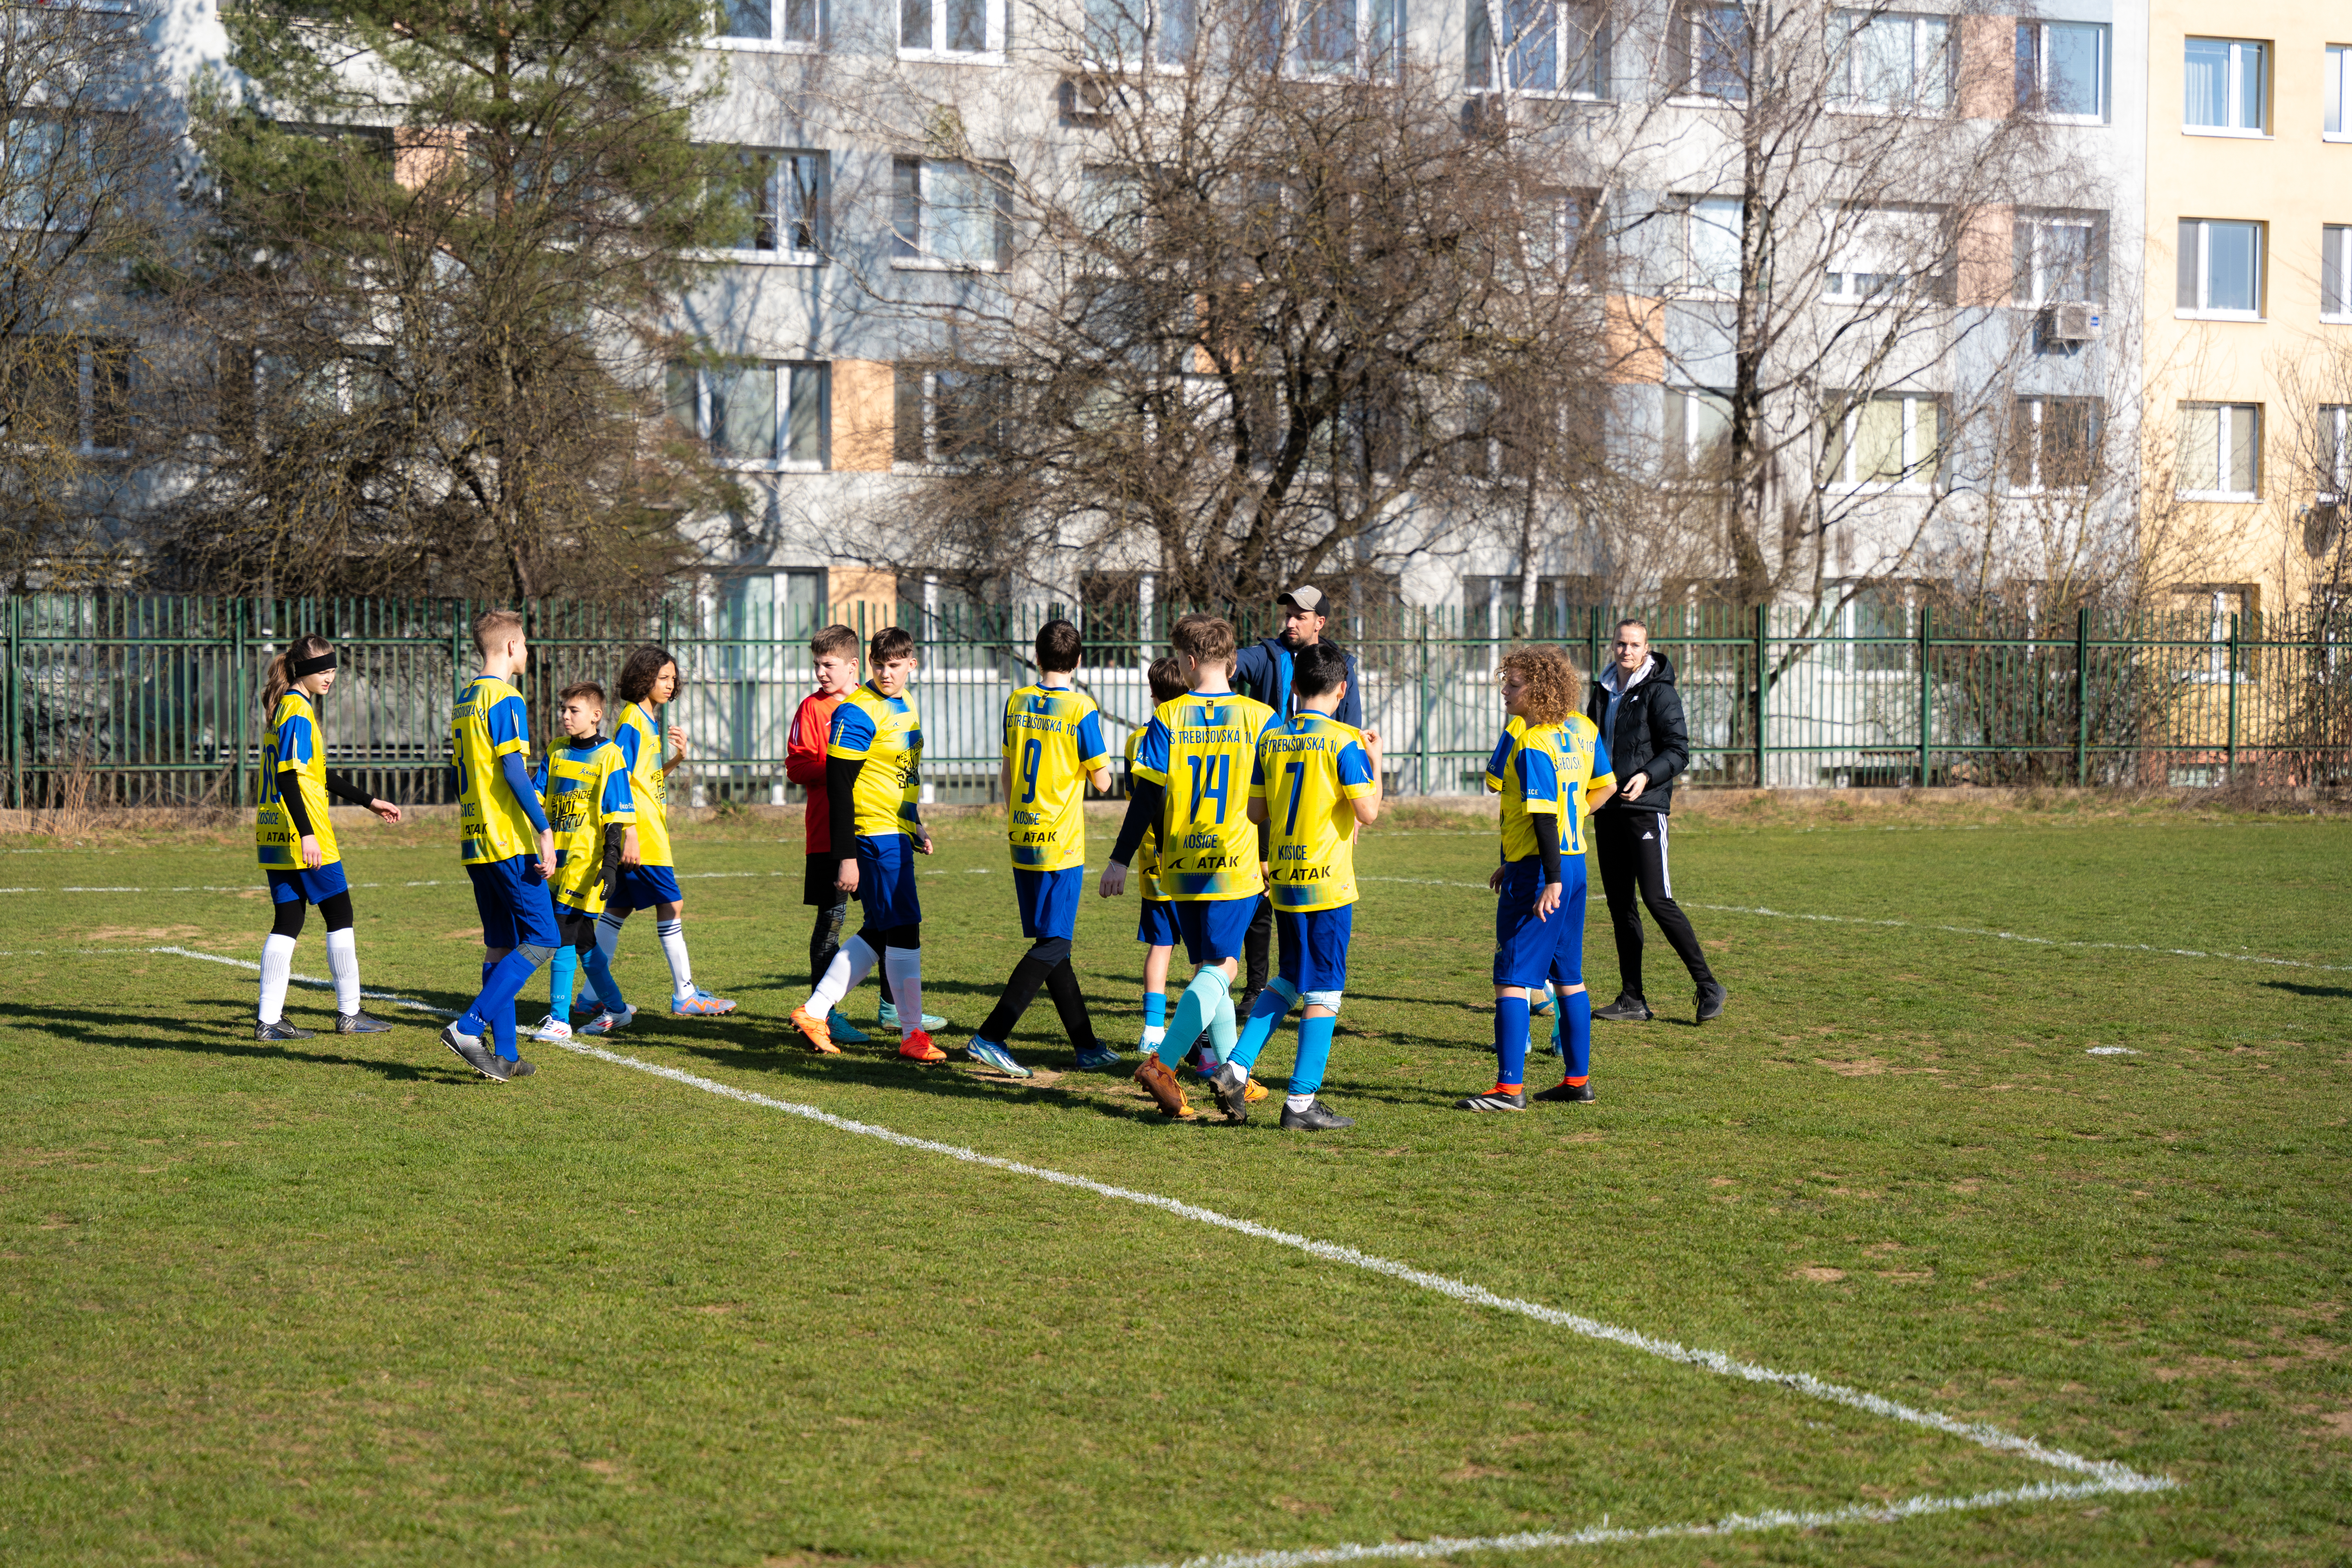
pixel 2073 323
pixel 1089 100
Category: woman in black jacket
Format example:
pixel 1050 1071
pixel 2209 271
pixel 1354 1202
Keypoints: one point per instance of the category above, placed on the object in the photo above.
pixel 1640 718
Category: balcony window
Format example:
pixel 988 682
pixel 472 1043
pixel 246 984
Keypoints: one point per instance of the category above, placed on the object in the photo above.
pixel 763 415
pixel 2054 443
pixel 1891 63
pixel 2221 269
pixel 2061 71
pixel 951 213
pixel 2227 87
pixel 1888 253
pixel 1887 441
pixel 2061 258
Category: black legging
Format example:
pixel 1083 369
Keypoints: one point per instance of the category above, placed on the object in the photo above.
pixel 335 909
pixel 1631 848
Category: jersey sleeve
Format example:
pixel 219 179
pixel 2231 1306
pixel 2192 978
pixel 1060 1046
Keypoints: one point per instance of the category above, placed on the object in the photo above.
pixel 1151 756
pixel 1356 777
pixel 804 751
pixel 1092 752
pixel 626 739
pixel 1538 780
pixel 538 774
pixel 853 734
pixel 1496 762
pixel 293 743
pixel 510 726
pixel 620 802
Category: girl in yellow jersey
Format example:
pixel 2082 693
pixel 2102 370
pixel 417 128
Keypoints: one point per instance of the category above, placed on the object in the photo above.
pixel 295 841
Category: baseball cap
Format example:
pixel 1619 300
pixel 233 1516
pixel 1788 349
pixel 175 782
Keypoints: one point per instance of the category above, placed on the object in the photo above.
pixel 1310 599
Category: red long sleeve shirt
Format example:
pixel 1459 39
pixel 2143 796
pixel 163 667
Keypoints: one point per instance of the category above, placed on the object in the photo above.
pixel 804 765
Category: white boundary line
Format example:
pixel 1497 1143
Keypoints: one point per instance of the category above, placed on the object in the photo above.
pixel 2015 936
pixel 2104 1477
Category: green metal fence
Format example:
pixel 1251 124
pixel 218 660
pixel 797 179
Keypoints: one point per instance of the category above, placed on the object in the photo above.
pixel 155 701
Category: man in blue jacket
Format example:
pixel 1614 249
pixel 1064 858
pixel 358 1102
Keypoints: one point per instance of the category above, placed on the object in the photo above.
pixel 1264 671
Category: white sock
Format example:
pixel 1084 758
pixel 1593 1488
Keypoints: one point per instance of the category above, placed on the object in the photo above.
pixel 851 964
pixel 343 963
pixel 673 940
pixel 1298 1101
pixel 904 966
pixel 277 964
pixel 1153 1034
pixel 608 934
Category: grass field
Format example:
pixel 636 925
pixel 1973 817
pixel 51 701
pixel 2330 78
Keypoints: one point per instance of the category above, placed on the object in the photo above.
pixel 341 1301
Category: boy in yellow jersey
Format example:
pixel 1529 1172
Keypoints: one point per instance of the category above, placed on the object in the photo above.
pixel 1193 773
pixel 1156 927
pixel 1551 770
pixel 1317 780
pixel 873 783
pixel 505 841
pixel 1053 749
pixel 585 783
pixel 648 875
pixel 295 841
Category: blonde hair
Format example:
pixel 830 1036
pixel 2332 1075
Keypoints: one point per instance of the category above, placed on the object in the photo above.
pixel 281 678
pixel 1551 677
pixel 494 623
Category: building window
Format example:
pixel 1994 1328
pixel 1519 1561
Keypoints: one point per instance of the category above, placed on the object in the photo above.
pixel 1892 63
pixel 66 393
pixel 2335 273
pixel 2338 125
pixel 2061 71
pixel 1709 49
pixel 2061 258
pixel 1494 608
pixel 1333 37
pixel 1558 239
pixel 1133 32
pixel 2332 453
pixel 777 22
pixel 2228 87
pixel 1711 226
pixel 48 172
pixel 782 197
pixel 1893 439
pixel 946 213
pixel 2054 443
pixel 959 29
pixel 1888 253
pixel 2221 451
pixel 1540 46
pixel 1698 433
pixel 950 417
pixel 766 416
pixel 2220 269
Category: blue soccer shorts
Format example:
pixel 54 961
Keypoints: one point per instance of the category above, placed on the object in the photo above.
pixel 304 886
pixel 1049 901
pixel 643 888
pixel 1214 929
pixel 1528 951
pixel 1157 925
pixel 516 907
pixel 1315 947
pixel 885 882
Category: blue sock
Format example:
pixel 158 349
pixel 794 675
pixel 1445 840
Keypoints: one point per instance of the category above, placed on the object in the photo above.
pixel 1155 1009
pixel 561 971
pixel 600 974
pixel 1578 1006
pixel 1194 1011
pixel 493 1010
pixel 1511 1040
pixel 1314 1053
pixel 1272 1005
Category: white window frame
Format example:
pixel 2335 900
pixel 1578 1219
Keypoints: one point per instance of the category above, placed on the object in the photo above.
pixel 1692 217
pixel 2243 51
pixel 1686 16
pixel 932 460
pixel 780 213
pixel 1914 482
pixel 2032 408
pixel 1837 286
pixel 2039 271
pixel 1379 41
pixel 1163 24
pixel 2201 310
pixel 1553 222
pixel 2227 416
pixel 2336 89
pixel 2336 269
pixel 2333 423
pixel 1569 19
pixel 776 41
pixel 790 375
pixel 2041 32
pixel 922 259
pixel 934 49
pixel 1925 55
pixel 1682 466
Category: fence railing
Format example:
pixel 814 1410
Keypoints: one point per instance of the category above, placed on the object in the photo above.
pixel 156 701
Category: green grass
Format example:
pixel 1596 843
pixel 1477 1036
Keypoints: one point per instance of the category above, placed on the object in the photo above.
pixel 339 1301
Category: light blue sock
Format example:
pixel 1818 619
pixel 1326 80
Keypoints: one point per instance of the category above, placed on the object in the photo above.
pixel 1155 1009
pixel 561 971
pixel 1314 1054
pixel 1272 1005
pixel 1579 1008
pixel 1222 1033
pixel 600 974
pixel 1195 1010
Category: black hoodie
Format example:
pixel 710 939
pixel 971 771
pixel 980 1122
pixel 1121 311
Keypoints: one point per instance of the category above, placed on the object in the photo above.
pixel 1651 737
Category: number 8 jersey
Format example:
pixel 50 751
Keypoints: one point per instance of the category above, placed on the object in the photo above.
pixel 1202 749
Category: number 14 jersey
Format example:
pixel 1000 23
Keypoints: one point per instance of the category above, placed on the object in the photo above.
pixel 1202 749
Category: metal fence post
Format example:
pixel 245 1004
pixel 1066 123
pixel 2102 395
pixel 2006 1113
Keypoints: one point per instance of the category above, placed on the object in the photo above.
pixel 2083 698
pixel 1592 668
pixel 2229 764
pixel 1926 698
pixel 237 691
pixel 1420 707
pixel 15 704
pixel 1763 625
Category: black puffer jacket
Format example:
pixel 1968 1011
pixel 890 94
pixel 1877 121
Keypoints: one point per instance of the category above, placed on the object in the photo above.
pixel 1651 737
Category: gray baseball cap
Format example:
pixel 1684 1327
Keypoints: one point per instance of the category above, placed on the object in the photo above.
pixel 1310 599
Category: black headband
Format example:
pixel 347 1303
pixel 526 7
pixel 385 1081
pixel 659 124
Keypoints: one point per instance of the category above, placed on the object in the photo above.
pixel 303 666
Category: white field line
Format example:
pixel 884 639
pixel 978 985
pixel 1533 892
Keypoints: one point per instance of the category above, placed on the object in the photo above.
pixel 2019 936
pixel 2103 1476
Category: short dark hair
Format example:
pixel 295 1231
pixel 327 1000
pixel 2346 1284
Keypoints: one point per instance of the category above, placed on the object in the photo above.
pixel 582 688
pixel 889 643
pixel 833 639
pixel 640 670
pixel 1168 679
pixel 1317 669
pixel 1058 647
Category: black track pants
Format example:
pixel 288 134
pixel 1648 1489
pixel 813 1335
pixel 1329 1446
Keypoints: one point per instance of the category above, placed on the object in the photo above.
pixel 1631 848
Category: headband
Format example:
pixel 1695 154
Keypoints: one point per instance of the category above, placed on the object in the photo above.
pixel 303 666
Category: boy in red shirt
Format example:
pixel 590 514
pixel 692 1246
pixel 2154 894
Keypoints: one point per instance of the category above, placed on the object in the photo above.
pixel 834 652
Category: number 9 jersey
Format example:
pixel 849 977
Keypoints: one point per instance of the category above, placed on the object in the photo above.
pixel 1202 749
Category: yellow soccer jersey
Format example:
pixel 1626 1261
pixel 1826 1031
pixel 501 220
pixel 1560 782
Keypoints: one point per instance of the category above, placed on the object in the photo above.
pixel 490 722
pixel 639 736
pixel 1549 770
pixel 586 786
pixel 1202 749
pixel 293 757
pixel 1146 869
pixel 1053 740
pixel 886 734
pixel 1310 773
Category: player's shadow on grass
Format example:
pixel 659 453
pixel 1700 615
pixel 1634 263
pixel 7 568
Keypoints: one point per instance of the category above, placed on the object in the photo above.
pixel 2301 990
pixel 123 1031
pixel 864 1066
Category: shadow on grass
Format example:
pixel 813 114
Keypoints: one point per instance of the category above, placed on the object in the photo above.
pixel 131 1031
pixel 2300 990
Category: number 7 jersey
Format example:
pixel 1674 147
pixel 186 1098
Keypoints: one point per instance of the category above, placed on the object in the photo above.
pixel 1201 751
